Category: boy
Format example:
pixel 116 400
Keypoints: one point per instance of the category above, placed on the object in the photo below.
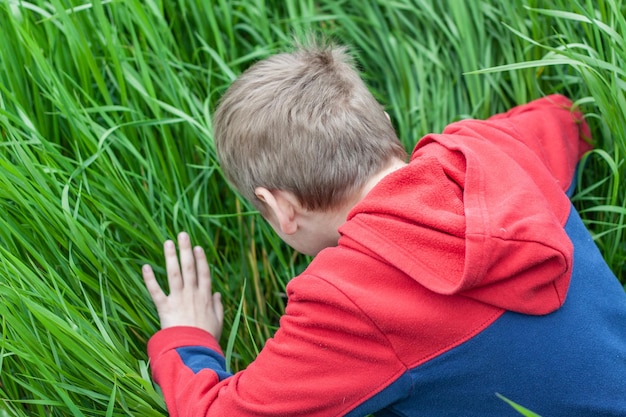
pixel 437 283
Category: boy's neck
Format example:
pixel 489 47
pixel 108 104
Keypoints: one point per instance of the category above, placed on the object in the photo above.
pixel 341 214
pixel 394 165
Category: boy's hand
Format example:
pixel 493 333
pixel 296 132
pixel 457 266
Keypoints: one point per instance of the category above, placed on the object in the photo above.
pixel 191 301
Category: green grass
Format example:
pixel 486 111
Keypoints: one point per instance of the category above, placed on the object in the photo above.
pixel 106 150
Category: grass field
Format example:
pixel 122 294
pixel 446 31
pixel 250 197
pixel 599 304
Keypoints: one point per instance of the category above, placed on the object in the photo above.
pixel 106 150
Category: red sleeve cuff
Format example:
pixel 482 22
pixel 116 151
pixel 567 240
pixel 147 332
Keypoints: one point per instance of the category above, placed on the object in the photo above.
pixel 180 336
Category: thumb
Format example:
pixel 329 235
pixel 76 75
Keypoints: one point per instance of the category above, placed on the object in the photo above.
pixel 218 308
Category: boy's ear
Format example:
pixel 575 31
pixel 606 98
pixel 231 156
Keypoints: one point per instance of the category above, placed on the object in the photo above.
pixel 283 207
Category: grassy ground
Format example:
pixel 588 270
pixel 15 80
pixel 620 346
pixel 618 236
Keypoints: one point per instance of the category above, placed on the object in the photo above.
pixel 106 150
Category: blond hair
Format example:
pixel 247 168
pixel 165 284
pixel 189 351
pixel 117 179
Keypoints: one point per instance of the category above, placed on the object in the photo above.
pixel 303 122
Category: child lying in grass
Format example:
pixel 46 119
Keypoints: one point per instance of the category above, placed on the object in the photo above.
pixel 436 283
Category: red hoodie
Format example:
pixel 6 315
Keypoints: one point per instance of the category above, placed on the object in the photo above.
pixel 431 272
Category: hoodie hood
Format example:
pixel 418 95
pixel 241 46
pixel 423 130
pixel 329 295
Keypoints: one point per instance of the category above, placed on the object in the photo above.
pixel 479 210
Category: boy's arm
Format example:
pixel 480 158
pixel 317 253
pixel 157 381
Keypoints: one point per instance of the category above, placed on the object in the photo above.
pixel 551 127
pixel 306 369
pixel 555 130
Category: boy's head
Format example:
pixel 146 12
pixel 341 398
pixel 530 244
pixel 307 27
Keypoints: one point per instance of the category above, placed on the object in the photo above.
pixel 303 122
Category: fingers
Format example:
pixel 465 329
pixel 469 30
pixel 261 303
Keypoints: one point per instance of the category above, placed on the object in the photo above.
pixel 174 277
pixel 156 293
pixel 218 309
pixel 203 271
pixel 187 260
pixel 190 301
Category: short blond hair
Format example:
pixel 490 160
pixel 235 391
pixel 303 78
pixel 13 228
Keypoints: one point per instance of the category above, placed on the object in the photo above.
pixel 303 122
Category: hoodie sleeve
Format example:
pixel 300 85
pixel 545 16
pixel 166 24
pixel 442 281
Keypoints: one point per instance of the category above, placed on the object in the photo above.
pixel 554 130
pixel 326 359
